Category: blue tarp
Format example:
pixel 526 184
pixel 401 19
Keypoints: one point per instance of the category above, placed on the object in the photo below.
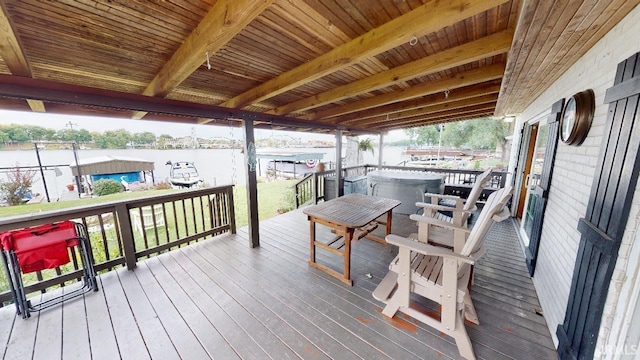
pixel 130 177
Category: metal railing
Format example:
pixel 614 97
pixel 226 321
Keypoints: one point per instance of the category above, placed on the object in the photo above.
pixel 310 189
pixel 122 232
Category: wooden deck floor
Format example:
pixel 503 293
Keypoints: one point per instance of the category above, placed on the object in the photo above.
pixel 220 299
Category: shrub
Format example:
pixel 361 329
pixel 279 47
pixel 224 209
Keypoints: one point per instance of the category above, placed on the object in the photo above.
pixel 162 186
pixel 287 200
pixel 104 187
pixel 17 186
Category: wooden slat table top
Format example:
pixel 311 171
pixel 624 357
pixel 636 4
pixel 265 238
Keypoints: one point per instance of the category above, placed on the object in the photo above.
pixel 352 210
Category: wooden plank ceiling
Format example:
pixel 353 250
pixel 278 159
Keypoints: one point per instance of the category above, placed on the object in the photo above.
pixel 307 65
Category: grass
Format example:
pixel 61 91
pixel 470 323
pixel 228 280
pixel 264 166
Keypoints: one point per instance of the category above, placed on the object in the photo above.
pixel 271 197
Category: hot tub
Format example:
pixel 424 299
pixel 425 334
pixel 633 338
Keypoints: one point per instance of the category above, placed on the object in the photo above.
pixel 407 187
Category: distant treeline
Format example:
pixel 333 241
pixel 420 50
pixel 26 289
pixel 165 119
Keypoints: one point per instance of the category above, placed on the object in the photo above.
pixel 110 139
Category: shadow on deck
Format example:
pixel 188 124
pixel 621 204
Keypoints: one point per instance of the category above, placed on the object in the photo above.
pixel 221 299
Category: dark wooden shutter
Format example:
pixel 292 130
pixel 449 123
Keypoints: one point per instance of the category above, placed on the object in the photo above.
pixel 541 193
pixel 614 182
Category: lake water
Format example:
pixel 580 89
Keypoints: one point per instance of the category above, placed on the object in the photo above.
pixel 216 166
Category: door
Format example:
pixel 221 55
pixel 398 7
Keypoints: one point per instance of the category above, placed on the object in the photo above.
pixel 540 182
pixel 532 180
pixel 536 179
pixel 525 158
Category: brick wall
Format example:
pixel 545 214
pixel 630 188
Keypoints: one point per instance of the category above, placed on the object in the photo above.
pixel 573 175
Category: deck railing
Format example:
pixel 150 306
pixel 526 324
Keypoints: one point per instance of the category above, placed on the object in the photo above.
pixel 124 231
pixel 459 182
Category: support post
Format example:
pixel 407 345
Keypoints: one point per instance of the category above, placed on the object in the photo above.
pixel 44 181
pixel 339 189
pixel 381 143
pixel 252 183
pixel 79 176
pixel 126 233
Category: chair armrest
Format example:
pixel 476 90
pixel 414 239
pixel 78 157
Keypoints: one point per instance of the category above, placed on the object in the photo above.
pixel 443 208
pixel 437 222
pixel 446 197
pixel 426 249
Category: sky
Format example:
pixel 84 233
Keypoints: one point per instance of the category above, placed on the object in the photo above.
pixel 90 123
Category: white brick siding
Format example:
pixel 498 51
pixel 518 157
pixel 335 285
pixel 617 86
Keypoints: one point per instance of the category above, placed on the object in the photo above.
pixel 572 178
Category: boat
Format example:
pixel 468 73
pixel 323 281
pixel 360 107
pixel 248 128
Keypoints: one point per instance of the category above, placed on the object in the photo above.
pixel 290 165
pixel 183 174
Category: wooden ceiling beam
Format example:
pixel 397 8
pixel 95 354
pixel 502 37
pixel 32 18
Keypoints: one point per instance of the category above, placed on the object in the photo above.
pixel 459 80
pixel 224 21
pixel 442 114
pixel 17 87
pixel 428 109
pixel 470 116
pixel 13 56
pixel 438 119
pixel 432 16
pixel 483 48
pixel 429 100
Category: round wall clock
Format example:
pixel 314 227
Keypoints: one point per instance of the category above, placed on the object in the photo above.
pixel 576 117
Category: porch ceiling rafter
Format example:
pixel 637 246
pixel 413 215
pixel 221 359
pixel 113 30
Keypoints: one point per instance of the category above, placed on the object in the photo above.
pixel 13 55
pixel 421 21
pixel 437 115
pixel 443 118
pixel 476 50
pixel 429 109
pixel 429 100
pixel 459 80
pixel 54 92
pixel 224 21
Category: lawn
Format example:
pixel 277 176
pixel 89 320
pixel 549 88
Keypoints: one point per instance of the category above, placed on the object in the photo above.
pixel 271 197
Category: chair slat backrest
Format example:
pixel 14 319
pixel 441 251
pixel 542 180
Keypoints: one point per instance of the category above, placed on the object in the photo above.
pixel 476 191
pixel 495 204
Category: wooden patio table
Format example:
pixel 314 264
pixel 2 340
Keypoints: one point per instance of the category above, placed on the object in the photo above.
pixel 350 217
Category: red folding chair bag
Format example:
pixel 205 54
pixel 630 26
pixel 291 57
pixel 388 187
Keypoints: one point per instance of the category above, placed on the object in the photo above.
pixel 41 247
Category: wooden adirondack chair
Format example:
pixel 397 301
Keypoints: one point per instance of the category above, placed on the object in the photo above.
pixel 460 209
pixel 440 275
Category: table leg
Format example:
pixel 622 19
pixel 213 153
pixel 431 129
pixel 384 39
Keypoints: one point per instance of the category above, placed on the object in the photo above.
pixel 312 240
pixel 348 236
pixel 389 216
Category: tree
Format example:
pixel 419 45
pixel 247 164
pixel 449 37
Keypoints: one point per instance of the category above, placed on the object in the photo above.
pixel 457 134
pixel 83 136
pixel 144 138
pixel 164 140
pixel 429 135
pixel 112 139
pixel 17 186
pixel 17 133
pixel 4 137
pixel 424 135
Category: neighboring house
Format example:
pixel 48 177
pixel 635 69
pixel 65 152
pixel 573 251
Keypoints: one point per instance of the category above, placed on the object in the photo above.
pixel 556 267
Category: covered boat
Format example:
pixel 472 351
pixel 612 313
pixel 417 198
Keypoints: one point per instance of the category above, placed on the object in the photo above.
pixel 290 164
pixel 183 174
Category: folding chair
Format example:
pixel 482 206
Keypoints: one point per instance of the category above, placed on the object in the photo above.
pixel 45 247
